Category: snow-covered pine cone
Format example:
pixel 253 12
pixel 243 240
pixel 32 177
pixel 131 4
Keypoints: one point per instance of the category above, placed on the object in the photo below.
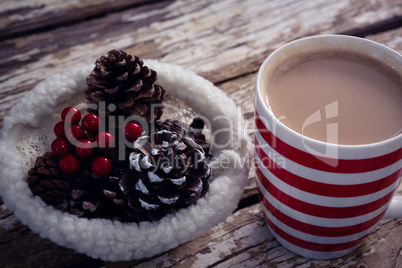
pixel 169 172
pixel 194 130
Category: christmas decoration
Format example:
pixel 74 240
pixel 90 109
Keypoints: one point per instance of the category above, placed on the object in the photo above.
pixel 59 130
pixel 60 147
pixel 69 164
pixel 75 133
pixel 46 180
pixel 165 170
pixel 105 140
pixel 91 122
pixel 85 148
pixel 94 196
pixel 102 166
pixel 109 239
pixel 123 80
pixel 132 131
pixel 185 130
pixel 169 172
pixel 71 114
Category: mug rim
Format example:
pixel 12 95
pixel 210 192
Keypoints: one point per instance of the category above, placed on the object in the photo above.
pixel 267 110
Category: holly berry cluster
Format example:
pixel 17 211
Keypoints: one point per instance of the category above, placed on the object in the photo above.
pixel 75 144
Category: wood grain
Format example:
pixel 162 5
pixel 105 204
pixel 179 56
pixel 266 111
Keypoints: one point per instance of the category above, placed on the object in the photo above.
pixel 224 41
pixel 23 17
pixel 244 240
pixel 219 41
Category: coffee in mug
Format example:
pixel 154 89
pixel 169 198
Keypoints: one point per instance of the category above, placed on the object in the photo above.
pixel 365 96
pixel 328 147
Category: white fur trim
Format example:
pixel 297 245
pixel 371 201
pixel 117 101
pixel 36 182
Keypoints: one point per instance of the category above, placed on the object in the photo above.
pixel 104 239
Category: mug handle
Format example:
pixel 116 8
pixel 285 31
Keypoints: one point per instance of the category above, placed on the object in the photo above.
pixel 395 208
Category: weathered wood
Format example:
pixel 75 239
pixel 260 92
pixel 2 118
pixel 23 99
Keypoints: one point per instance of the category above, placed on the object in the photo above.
pixel 224 41
pixel 22 17
pixel 391 39
pixel 243 237
pixel 13 234
pixel 19 245
pixel 219 40
pixel 244 240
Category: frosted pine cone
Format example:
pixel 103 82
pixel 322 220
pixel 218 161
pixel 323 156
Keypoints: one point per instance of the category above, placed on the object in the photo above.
pixel 170 172
pixel 193 131
pixel 124 81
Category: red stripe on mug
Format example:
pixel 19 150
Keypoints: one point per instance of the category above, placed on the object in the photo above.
pixel 319 230
pixel 322 188
pixel 322 211
pixel 311 245
pixel 319 162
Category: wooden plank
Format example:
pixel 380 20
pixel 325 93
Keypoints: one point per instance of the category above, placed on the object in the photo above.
pixel 391 39
pixel 244 240
pixel 242 237
pixel 228 53
pixel 215 245
pixel 19 245
pixel 13 235
pixel 219 40
pixel 21 17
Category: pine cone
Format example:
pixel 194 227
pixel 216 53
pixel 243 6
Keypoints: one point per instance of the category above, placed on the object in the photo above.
pixel 46 180
pixel 123 80
pixel 170 172
pixel 95 196
pixel 193 131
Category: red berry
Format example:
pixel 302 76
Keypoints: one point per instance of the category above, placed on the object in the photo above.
pixel 132 131
pixel 59 130
pixel 105 140
pixel 69 164
pixel 84 148
pixel 71 115
pixel 90 122
pixel 75 133
pixel 102 166
pixel 60 147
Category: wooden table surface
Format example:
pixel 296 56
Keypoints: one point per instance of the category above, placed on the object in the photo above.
pixel 224 41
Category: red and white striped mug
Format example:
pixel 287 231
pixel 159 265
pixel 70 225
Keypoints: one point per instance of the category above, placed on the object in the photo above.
pixel 323 206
